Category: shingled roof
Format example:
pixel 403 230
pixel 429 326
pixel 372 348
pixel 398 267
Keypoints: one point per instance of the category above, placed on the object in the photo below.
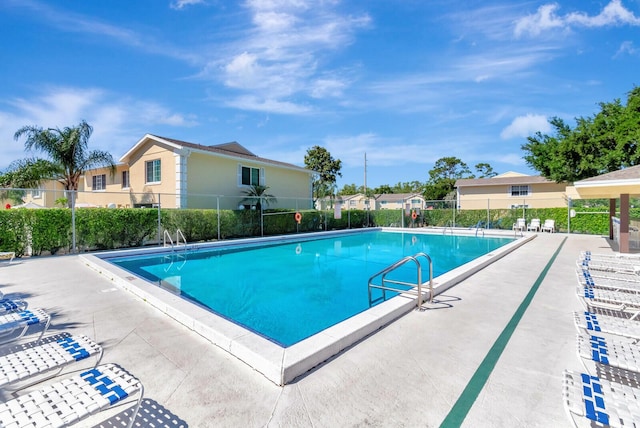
pixel 630 173
pixel 231 149
pixel 502 181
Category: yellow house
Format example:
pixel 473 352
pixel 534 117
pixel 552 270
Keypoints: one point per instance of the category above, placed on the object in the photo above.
pixel 358 201
pixel 512 190
pixel 396 201
pixel 179 174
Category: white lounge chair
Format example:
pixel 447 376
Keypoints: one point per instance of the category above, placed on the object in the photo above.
pixel 608 351
pixel 72 399
pixel 520 225
pixel 630 258
pixel 534 225
pixel 593 297
pixel 629 268
pixel 21 321
pixel 45 357
pixel 548 226
pixel 602 401
pixel 590 323
pixel 614 276
pixel 7 255
pixel 586 279
pixel 12 305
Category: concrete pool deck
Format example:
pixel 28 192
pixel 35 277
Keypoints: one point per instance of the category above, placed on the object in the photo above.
pixel 463 361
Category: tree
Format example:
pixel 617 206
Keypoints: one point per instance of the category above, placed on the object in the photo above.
pixel 348 189
pixel 485 170
pixel 24 174
pixel 443 176
pixel 257 195
pixel 67 151
pixel 408 187
pixel 327 170
pixel 605 142
pixel 383 189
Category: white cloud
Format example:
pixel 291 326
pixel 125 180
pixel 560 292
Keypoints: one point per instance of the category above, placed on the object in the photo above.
pixel 281 55
pixel 613 14
pixel 180 4
pixel 627 48
pixel 546 18
pixel 323 88
pixel 523 126
pixel 116 120
pixel 380 151
pixel 267 105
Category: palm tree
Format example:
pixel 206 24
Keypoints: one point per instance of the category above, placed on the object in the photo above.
pixel 256 195
pixel 67 151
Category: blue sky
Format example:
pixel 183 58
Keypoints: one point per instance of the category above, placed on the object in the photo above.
pixel 406 81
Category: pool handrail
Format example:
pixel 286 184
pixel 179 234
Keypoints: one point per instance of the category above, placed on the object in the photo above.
pixel 383 273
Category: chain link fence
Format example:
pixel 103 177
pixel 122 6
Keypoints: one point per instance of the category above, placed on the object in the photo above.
pixel 44 221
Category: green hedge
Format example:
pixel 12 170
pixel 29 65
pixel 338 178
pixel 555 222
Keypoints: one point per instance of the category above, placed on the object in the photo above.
pixel 50 230
pixel 14 230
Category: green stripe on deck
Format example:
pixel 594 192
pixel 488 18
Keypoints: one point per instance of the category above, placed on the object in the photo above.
pixel 461 408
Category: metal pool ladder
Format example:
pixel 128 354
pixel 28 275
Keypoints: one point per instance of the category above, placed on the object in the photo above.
pixel 389 284
pixel 168 242
pixel 174 256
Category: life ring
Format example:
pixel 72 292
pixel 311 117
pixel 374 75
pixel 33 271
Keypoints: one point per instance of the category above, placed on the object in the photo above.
pixel 298 217
pixel 414 240
pixel 414 215
pixel 298 249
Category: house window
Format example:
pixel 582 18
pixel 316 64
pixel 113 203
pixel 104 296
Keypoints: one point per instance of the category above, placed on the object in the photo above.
pixel 352 203
pixel 36 193
pixel 153 171
pixel 125 179
pixel 248 176
pixel 99 182
pixel 519 190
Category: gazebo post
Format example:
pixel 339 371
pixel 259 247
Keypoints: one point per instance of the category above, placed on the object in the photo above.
pixel 624 223
pixel 612 214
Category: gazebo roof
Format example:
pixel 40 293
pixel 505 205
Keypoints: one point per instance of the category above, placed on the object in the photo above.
pixel 611 184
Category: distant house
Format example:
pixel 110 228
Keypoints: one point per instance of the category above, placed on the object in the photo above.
pixel 348 202
pixel 396 201
pixel 179 174
pixel 512 190
pixel 358 201
pixel 384 201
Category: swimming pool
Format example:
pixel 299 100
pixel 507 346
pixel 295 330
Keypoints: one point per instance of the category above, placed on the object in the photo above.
pixel 288 292
pixel 279 364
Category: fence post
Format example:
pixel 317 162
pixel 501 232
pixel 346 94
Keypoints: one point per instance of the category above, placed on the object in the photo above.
pixel 73 222
pixel 488 211
pixel 218 212
pixel 454 213
pixel 159 223
pixel 568 215
pixel 402 213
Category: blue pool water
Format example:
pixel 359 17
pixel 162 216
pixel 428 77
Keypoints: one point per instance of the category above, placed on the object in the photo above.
pixel 287 292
